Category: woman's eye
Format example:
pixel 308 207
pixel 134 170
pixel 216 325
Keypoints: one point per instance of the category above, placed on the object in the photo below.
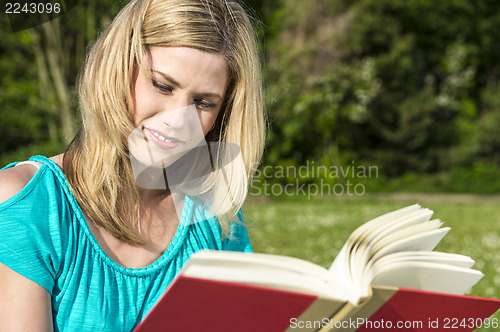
pixel 204 104
pixel 162 87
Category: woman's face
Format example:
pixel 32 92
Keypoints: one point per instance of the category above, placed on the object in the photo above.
pixel 176 104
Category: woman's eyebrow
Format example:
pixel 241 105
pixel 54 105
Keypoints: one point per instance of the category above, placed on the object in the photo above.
pixel 170 79
pixel 209 95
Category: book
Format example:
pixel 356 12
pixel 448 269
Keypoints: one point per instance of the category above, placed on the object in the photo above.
pixel 386 276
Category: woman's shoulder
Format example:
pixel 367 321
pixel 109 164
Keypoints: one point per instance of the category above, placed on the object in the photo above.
pixel 36 220
pixel 15 177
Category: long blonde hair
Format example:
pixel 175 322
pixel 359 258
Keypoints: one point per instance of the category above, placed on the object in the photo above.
pixel 97 163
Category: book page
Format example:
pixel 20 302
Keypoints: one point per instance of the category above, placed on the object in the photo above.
pixel 419 234
pixel 420 242
pixel 390 232
pixel 424 256
pixel 428 276
pixel 340 269
pixel 373 231
pixel 395 249
pixel 407 232
pixel 279 272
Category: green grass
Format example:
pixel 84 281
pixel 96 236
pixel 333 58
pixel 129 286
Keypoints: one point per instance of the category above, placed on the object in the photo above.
pixel 315 230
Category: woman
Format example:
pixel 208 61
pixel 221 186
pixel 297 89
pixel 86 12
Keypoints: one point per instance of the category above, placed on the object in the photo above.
pixel 84 244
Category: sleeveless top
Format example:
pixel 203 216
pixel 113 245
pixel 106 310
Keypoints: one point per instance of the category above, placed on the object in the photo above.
pixel 44 236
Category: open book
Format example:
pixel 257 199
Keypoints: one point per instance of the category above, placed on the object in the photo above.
pixel 386 276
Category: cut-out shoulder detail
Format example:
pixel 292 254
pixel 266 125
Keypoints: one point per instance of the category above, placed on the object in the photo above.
pixel 13 179
pixel 37 164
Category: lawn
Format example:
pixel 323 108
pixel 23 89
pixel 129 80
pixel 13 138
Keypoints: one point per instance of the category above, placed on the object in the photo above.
pixel 316 229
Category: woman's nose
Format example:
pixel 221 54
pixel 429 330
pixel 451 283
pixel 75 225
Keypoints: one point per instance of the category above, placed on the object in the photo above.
pixel 177 116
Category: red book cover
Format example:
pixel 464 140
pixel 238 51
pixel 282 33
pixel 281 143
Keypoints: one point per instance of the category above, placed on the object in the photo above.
pixel 192 304
pixel 416 310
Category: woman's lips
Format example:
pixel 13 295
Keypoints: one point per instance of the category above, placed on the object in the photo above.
pixel 161 140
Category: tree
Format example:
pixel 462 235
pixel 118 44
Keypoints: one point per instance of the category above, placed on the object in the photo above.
pixel 39 67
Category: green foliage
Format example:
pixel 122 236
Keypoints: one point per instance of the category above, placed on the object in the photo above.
pixel 38 69
pixel 19 115
pixel 479 178
pixel 49 148
pixel 400 85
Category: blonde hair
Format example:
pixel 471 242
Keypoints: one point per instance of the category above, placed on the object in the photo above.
pixel 97 163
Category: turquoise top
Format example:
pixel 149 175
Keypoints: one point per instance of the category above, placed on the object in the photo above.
pixel 44 236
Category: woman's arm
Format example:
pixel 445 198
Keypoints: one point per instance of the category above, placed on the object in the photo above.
pixel 24 304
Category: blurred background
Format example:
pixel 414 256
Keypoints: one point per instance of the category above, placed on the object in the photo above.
pixel 409 89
